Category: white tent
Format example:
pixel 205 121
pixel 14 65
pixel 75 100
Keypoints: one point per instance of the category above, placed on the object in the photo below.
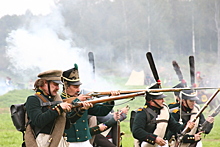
pixel 136 78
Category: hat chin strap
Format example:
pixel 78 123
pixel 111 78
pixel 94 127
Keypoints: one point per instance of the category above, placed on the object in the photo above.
pixel 180 101
pixel 157 104
pixel 187 104
pixel 48 85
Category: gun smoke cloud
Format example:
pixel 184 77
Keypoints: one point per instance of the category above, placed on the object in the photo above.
pixel 43 43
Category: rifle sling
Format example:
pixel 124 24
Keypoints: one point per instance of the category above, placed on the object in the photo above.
pixel 153 121
pixel 150 111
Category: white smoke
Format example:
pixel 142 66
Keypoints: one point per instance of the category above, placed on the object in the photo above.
pixel 39 44
pixel 19 7
pixel 43 42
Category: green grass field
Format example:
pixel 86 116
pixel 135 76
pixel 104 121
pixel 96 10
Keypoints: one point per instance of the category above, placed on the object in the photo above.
pixel 10 137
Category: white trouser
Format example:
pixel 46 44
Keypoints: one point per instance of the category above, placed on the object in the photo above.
pixel 43 141
pixel 80 144
pixel 145 144
pixel 199 144
pixel 166 145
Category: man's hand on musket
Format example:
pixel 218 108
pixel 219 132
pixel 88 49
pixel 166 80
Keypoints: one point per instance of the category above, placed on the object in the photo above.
pixel 115 93
pixel 116 115
pixel 86 105
pixel 102 127
pixel 125 110
pixel 190 124
pixel 66 106
pixel 198 136
pixel 83 97
pixel 210 119
pixel 160 141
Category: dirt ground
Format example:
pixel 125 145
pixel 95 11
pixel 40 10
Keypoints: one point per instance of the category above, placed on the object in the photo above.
pixel 4 110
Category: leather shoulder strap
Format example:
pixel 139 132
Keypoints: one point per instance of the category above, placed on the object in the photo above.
pixel 148 112
pixel 45 102
pixel 41 97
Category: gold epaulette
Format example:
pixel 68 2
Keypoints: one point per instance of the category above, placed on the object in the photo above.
pixel 175 110
pixel 139 109
pixel 173 103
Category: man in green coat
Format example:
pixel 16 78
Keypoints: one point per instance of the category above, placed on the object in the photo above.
pixel 79 133
pixel 47 113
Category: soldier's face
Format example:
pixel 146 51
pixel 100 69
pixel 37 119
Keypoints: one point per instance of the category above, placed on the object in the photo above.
pixel 73 90
pixel 159 102
pixel 54 87
pixel 177 98
pixel 190 103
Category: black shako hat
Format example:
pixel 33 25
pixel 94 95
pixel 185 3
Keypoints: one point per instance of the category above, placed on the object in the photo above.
pixel 71 76
pixel 154 95
pixel 189 95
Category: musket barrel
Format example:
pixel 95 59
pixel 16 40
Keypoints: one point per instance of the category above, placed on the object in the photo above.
pixel 112 98
pixel 149 90
pixel 206 104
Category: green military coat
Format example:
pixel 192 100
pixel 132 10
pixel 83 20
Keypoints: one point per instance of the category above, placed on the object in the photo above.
pixel 43 118
pixel 79 131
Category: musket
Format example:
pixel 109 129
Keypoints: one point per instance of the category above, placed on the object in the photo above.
pixel 103 99
pixel 96 94
pixel 187 129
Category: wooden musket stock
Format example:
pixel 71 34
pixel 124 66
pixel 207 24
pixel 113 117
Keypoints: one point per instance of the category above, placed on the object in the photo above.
pixel 187 129
pixel 103 99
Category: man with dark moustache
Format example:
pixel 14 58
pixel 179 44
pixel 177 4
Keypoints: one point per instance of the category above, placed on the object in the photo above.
pixel 47 113
pixel 79 133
